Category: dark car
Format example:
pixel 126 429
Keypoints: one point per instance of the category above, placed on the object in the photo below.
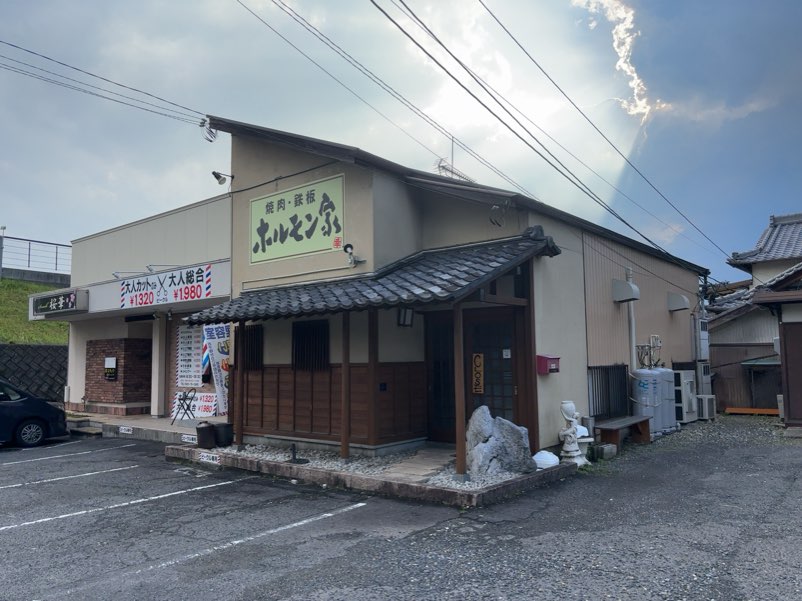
pixel 27 419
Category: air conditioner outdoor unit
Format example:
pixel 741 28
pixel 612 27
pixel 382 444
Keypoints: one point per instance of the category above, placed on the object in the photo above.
pixel 702 340
pixel 703 382
pixel 685 396
pixel 706 406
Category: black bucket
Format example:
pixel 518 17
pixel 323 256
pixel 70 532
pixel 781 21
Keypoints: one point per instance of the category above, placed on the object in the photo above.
pixel 206 437
pixel 224 434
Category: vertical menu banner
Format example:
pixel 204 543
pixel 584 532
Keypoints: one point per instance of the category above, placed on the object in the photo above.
pixel 189 357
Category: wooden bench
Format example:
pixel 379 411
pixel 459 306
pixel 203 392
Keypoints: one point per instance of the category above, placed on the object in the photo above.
pixel 612 430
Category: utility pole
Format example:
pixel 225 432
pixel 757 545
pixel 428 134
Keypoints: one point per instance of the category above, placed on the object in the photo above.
pixel 2 240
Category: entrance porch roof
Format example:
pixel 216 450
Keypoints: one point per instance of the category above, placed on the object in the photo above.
pixel 443 275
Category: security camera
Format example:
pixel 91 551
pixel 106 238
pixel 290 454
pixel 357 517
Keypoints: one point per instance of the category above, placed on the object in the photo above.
pixel 348 249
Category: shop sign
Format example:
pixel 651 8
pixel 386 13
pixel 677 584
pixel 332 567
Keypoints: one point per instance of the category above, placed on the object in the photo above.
pixel 110 368
pixel 176 286
pixel 67 301
pixel 478 373
pixel 297 221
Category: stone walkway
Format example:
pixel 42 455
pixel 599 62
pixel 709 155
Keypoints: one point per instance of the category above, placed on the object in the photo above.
pixel 426 462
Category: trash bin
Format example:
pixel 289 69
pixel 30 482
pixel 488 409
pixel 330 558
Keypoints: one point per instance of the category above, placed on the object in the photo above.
pixel 224 434
pixel 205 432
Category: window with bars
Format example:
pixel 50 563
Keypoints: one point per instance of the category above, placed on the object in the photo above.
pixel 310 345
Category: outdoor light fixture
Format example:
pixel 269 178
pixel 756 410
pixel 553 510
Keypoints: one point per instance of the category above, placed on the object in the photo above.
pixel 405 316
pixel 353 260
pixel 221 177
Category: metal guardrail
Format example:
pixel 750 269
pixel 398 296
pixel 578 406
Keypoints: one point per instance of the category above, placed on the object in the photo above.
pixel 36 255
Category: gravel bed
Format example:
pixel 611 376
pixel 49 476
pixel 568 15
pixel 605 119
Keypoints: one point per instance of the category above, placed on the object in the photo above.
pixel 726 430
pixel 326 460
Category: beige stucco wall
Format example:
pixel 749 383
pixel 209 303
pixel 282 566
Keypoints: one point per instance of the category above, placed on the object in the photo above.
pixel 254 162
pixel 560 327
pixel 193 234
pixel 447 221
pixel 763 272
pixel 95 329
pixel 396 220
pixel 395 344
pixel 608 330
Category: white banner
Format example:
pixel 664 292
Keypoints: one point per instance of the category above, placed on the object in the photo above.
pixel 218 341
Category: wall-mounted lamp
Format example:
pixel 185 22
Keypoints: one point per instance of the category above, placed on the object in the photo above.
pixel 353 260
pixel 405 317
pixel 221 177
pixel 118 274
pixel 151 267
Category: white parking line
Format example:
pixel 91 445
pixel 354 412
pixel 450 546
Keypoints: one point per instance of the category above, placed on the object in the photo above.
pixel 118 505
pixel 116 469
pixel 66 455
pixel 52 446
pixel 248 539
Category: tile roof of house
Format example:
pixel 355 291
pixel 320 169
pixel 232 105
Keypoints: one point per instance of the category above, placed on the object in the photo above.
pixel 781 240
pixel 444 275
pixel 741 298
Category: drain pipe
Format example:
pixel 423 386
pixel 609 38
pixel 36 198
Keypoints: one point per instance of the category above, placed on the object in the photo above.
pixel 633 355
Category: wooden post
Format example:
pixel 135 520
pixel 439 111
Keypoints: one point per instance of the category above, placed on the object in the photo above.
pixel 240 367
pixel 373 374
pixel 345 380
pixel 459 390
pixel 533 421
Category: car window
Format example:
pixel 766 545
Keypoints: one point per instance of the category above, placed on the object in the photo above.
pixel 8 394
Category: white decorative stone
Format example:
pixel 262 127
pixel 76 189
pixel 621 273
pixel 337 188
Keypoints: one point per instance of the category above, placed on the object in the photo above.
pixel 545 459
pixel 480 427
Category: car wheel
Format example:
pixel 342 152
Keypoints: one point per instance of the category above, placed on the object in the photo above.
pixel 30 433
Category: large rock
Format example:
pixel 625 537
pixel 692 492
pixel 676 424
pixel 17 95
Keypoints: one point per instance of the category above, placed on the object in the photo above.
pixel 494 445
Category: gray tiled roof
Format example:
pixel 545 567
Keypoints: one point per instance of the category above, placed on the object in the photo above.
pixel 445 275
pixel 738 299
pixel 781 240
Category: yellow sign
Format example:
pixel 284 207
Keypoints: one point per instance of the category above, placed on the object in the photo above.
pixel 478 373
pixel 297 221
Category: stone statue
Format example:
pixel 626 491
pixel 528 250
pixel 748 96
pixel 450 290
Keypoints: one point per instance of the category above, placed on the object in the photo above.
pixel 570 452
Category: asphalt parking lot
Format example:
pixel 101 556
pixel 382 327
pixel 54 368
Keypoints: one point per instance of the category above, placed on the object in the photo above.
pixel 711 513
pixel 101 519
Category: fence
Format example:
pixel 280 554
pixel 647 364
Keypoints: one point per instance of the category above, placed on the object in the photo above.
pixel 608 391
pixel 21 253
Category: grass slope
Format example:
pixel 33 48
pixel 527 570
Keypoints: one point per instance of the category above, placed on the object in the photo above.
pixel 14 324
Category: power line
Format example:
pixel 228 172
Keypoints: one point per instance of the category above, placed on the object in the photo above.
pixel 19 71
pixel 501 98
pixel 182 113
pixel 63 64
pixel 593 125
pixel 319 66
pixel 567 174
pixel 381 83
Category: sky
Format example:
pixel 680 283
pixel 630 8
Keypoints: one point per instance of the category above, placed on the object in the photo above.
pixel 701 97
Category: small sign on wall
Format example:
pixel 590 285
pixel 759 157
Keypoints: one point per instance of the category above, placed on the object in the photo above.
pixel 478 373
pixel 110 368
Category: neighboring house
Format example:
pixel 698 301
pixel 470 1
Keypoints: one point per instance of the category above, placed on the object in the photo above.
pixel 784 298
pixel 745 365
pixel 130 287
pixel 449 295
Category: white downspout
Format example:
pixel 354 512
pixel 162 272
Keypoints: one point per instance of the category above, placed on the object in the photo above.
pixel 633 355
